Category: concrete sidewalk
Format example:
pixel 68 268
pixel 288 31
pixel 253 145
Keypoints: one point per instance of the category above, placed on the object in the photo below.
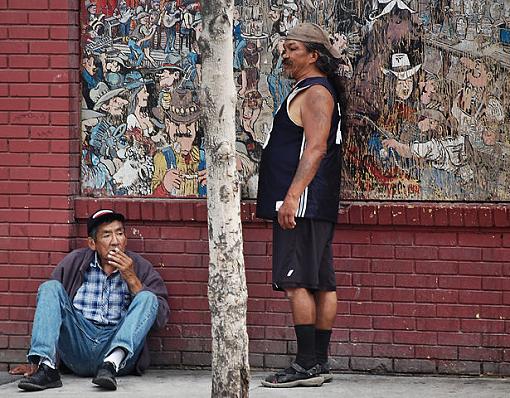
pixel 196 384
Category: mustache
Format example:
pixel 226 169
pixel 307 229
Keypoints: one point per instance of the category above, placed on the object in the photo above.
pixel 186 134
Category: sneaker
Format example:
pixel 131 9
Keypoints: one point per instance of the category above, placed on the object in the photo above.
pixel 325 372
pixel 295 376
pixel 44 378
pixel 105 376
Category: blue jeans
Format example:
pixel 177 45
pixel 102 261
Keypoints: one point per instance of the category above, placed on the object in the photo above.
pixel 82 345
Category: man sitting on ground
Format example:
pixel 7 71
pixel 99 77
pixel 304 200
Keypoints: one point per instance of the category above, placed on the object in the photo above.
pixel 96 310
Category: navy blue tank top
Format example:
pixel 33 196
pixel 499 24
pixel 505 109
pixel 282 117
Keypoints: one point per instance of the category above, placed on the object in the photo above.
pixel 280 158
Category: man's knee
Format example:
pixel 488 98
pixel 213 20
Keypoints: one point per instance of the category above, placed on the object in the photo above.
pixel 147 298
pixel 296 292
pixel 51 286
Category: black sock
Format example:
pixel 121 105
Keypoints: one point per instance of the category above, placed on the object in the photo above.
pixel 305 335
pixel 322 338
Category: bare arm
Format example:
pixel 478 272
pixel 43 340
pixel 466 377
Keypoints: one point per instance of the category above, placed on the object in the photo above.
pixel 316 110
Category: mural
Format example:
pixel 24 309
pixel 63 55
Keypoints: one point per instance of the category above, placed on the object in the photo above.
pixel 426 83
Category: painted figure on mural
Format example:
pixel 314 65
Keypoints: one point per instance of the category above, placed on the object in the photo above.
pixel 180 168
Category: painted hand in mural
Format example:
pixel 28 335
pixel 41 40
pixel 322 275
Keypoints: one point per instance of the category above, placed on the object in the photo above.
pixel 172 180
pixel 202 177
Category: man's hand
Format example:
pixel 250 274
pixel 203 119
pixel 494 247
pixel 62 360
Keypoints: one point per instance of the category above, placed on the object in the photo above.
pixel 27 369
pixel 125 264
pixel 287 213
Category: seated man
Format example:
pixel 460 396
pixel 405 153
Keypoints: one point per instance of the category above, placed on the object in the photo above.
pixel 96 310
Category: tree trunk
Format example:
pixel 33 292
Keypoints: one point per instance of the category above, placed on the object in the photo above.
pixel 227 281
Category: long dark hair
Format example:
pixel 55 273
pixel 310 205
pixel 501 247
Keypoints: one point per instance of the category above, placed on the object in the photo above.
pixel 330 66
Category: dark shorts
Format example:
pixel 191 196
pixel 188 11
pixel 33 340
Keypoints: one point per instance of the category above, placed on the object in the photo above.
pixel 303 256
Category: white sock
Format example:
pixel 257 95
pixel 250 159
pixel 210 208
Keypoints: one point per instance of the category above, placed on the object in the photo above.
pixel 116 357
pixel 47 362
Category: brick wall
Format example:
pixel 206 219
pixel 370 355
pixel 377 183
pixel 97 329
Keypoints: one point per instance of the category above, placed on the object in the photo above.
pixel 422 288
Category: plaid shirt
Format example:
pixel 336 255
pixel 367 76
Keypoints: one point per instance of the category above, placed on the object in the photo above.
pixel 102 299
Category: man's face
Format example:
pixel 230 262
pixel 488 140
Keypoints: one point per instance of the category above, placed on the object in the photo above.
pixel 296 58
pixel 404 88
pixel 109 236
pixel 142 97
pixel 116 106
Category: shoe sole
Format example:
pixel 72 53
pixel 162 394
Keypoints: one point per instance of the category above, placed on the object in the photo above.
pixel 36 387
pixel 311 382
pixel 105 383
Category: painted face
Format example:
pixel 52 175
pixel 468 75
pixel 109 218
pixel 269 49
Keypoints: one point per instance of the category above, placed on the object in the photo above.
pixel 428 91
pixel 296 58
pixel 109 236
pixel 113 66
pixel 490 136
pixel 404 88
pixel 142 97
pixel 89 65
pixel 183 135
pixel 479 75
pixel 116 106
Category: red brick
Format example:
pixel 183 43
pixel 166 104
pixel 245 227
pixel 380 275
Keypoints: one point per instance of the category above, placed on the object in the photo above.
pixel 480 297
pixel 24 285
pixel 398 214
pixel 471 217
pixel 35 32
pixel 17 328
pixel 446 325
pixel 50 133
pixel 478 268
pixel 416 281
pixel 373 251
pixel 13 104
pixel 53 18
pixel 29 146
pixel 279 333
pixel 440 216
pixel 437 296
pixel 28 4
pixel 458 311
pixel 55 216
pixel 371 336
pixel 64 5
pixel 369 215
pixel 456 217
pixel 485 217
pixel 384 215
pixel 28 202
pixel 459 339
pixel 459 367
pixel 353 322
pixel 21 314
pixel 483 326
pixel 394 323
pixel 28 62
pixel 426 216
pixel 8 17
pixel 480 239
pixel 354 294
pixel 436 352
pixel 13 47
pixel 413 252
pixel 436 267
pixel 392 266
pixel 50 76
pixel 258 234
pixel 355 214
pixel 341 250
pixel 393 295
pixel 371 308
pixel 460 282
pixel 460 254
pixel 352 265
pixel 69 61
pixel 14 243
pixel 496 340
pixel 495 284
pixel 392 238
pixel 349 236
pixel 480 354
pixel 413 337
pixel 495 312
pixel 373 280
pixel 501 218
pixel 14 187
pixel 49 104
pixel 13 299
pixel 436 238
pixel 64 33
pixel 29 118
pixel 394 351
pixel 414 310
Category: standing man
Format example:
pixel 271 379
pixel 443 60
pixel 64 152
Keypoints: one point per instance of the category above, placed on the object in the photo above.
pixel 299 188
pixel 96 310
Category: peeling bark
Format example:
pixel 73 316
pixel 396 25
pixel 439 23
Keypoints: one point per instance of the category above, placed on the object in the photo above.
pixel 227 281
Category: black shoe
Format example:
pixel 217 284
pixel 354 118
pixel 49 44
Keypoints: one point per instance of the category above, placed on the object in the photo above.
pixel 105 376
pixel 44 378
pixel 295 376
pixel 325 372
